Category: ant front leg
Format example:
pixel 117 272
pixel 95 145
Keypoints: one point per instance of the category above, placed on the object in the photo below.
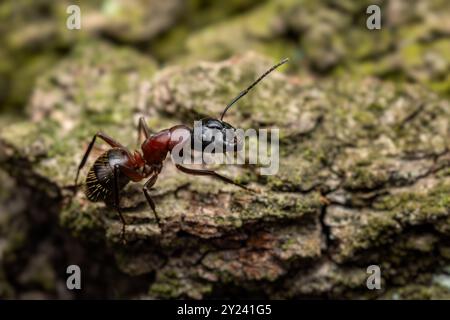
pixel 117 199
pixel 150 182
pixel 113 143
pixel 202 172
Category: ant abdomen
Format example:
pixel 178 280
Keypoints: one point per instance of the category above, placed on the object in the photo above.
pixel 99 183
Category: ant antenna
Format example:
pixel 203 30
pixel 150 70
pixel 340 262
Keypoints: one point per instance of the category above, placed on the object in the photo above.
pixel 244 92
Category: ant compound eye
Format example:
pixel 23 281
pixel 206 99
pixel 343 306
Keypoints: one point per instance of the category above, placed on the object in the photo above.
pixel 216 124
pixel 213 124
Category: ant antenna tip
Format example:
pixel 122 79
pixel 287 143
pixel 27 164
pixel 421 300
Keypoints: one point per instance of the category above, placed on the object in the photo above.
pixel 243 93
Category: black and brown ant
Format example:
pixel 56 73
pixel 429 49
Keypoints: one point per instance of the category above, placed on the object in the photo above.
pixel 116 167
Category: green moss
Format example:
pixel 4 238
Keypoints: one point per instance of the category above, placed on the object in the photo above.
pixel 82 223
pixel 280 206
pixel 365 179
pixel 418 292
pixel 399 211
pixel 173 284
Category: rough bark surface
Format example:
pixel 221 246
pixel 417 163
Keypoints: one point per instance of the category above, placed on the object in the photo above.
pixel 364 179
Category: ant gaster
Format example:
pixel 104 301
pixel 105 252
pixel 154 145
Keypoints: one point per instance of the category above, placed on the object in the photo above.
pixel 116 167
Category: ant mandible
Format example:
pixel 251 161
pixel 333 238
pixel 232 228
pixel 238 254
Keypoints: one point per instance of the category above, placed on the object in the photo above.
pixel 116 167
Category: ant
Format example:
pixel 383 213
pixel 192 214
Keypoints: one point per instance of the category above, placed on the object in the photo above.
pixel 116 167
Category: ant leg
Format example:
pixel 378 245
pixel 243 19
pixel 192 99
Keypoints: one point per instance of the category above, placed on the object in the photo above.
pixel 201 172
pixel 104 137
pixel 134 176
pixel 150 182
pixel 117 200
pixel 143 127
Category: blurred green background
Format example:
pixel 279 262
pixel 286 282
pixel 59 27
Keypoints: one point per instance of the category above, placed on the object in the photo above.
pixel 322 38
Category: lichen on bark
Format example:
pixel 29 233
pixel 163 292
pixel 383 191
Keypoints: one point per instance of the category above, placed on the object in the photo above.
pixel 364 178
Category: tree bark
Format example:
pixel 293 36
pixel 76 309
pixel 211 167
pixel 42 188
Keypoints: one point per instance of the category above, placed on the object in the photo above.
pixel 364 179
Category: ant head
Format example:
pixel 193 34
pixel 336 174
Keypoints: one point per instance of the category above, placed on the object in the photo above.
pixel 212 135
pixel 220 134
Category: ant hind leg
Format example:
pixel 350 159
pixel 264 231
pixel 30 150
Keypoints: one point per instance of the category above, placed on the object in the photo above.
pixel 117 200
